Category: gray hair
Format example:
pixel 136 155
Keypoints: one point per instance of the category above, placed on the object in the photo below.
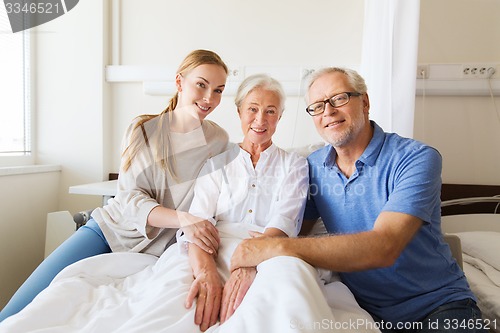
pixel 263 81
pixel 355 80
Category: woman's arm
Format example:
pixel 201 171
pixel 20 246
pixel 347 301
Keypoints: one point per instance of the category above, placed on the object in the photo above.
pixel 200 232
pixel 162 217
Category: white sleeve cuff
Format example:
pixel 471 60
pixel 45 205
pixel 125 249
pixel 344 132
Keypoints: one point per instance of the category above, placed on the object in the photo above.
pixel 183 240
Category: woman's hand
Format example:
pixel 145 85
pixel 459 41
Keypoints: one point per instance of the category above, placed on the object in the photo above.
pixel 200 232
pixel 235 290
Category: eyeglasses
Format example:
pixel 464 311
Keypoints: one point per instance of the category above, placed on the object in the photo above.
pixel 335 101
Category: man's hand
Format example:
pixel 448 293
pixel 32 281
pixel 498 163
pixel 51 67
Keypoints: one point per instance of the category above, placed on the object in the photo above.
pixel 253 251
pixel 200 232
pixel 262 246
pixel 207 285
pixel 235 290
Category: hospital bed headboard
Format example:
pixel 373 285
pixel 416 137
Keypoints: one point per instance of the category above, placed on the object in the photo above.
pixel 456 191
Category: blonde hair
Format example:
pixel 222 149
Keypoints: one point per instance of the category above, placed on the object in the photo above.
pixel 194 59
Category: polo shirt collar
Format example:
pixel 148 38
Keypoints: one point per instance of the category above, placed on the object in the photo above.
pixel 373 149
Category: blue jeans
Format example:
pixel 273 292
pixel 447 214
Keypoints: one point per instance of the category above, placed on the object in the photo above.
pixel 86 242
pixel 459 317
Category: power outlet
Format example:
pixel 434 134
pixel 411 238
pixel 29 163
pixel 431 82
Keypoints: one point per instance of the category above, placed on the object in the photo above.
pixel 235 74
pixel 422 71
pixel 306 72
pixel 478 71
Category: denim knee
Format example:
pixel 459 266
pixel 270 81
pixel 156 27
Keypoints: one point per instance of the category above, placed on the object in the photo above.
pixel 458 316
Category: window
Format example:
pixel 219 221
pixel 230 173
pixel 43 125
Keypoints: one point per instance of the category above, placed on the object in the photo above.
pixel 15 104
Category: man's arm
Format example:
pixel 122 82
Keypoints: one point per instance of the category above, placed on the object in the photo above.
pixel 376 248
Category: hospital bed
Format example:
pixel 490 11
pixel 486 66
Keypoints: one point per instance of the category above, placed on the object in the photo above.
pixel 131 292
pixel 471 213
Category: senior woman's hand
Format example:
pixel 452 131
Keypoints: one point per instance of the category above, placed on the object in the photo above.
pixel 206 287
pixel 235 290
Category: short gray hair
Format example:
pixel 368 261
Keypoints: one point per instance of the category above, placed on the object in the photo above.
pixel 355 80
pixel 263 81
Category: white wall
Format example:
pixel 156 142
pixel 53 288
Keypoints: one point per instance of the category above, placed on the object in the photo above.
pixel 256 32
pixel 70 98
pixel 466 130
pixel 259 33
pixel 25 201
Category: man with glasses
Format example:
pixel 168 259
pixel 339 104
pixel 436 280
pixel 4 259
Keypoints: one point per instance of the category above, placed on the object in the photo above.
pixel 378 195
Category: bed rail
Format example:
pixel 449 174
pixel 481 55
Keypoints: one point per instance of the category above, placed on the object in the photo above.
pixel 473 200
pixel 471 192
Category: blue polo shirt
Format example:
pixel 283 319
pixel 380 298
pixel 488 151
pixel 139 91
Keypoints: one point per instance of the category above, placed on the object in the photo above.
pixel 393 174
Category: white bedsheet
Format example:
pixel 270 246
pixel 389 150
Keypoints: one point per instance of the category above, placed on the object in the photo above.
pixel 482 268
pixel 130 292
pixel 487 293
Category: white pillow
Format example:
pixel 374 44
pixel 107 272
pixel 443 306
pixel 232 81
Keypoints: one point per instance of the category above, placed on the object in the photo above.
pixel 490 271
pixel 484 245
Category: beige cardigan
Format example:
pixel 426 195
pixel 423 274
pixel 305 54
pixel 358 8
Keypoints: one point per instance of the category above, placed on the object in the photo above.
pixel 146 185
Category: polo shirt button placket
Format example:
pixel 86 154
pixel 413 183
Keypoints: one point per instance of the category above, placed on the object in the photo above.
pixel 347 194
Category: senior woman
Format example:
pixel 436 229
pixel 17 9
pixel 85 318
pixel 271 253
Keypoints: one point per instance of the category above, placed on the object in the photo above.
pixel 254 183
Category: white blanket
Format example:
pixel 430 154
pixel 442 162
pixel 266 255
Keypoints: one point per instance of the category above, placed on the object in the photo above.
pixel 130 292
pixel 482 268
pixel 488 296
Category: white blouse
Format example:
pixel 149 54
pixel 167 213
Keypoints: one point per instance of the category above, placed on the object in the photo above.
pixel 271 195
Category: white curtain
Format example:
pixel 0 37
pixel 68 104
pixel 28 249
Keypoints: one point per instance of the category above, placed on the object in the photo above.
pixel 389 62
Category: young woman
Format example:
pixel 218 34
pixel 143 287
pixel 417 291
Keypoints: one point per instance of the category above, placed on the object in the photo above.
pixel 162 157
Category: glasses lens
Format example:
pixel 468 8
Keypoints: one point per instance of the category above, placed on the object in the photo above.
pixel 315 108
pixel 339 100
